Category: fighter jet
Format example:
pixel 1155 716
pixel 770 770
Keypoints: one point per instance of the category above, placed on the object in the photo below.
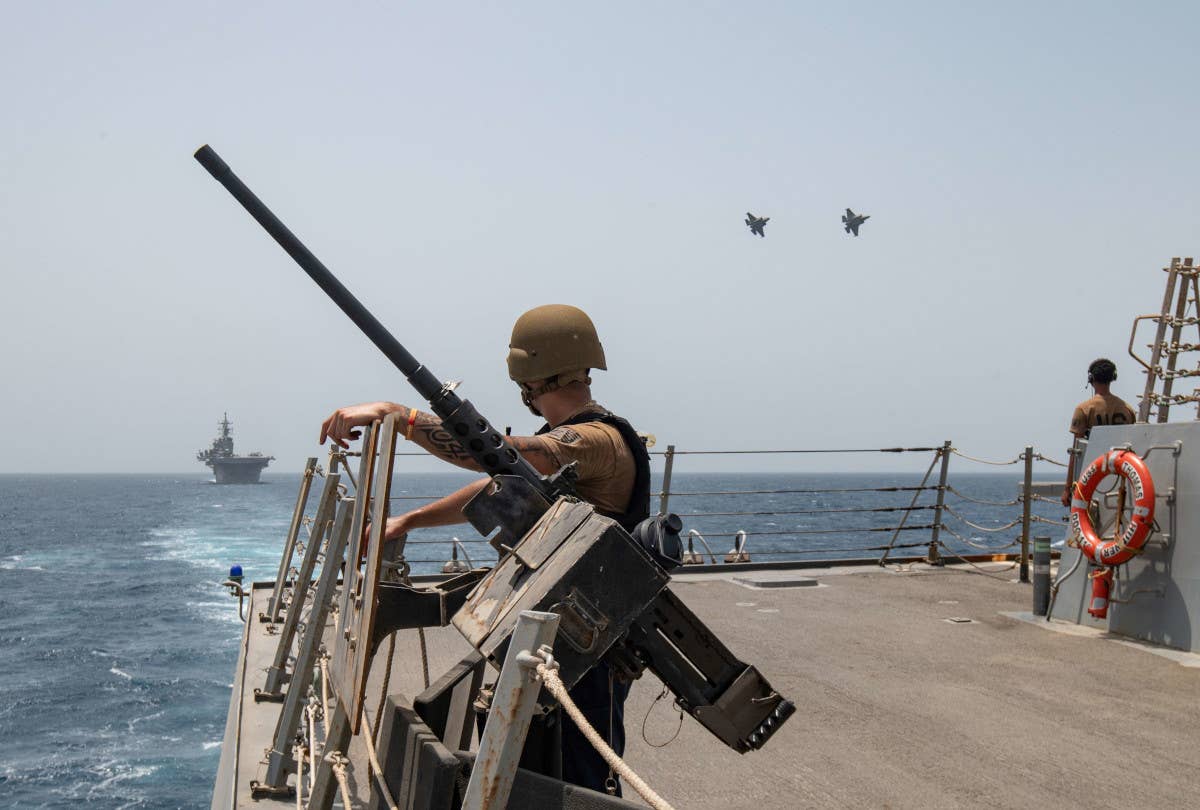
pixel 756 223
pixel 853 220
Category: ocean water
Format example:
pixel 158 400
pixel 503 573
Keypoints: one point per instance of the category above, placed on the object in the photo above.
pixel 118 644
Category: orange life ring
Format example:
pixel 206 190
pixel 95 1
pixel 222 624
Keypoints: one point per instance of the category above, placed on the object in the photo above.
pixel 1132 468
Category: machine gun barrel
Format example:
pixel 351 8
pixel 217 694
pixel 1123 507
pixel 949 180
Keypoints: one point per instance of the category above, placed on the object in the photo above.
pixel 485 444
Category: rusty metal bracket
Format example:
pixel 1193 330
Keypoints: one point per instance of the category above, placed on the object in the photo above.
pixel 1133 339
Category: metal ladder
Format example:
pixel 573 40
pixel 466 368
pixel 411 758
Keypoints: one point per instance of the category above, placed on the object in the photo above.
pixel 1180 309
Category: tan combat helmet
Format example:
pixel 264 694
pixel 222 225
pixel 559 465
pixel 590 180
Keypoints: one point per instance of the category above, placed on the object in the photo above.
pixel 553 340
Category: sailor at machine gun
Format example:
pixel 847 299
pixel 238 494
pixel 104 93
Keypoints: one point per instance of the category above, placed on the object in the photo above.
pixel 551 354
pixel 599 571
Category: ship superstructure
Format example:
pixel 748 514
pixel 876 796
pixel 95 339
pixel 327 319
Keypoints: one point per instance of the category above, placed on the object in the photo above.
pixel 227 466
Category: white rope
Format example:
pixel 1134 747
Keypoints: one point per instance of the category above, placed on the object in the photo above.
pixel 976 526
pixel 1049 460
pixel 556 688
pixel 973 544
pixel 298 753
pixel 312 746
pixel 338 765
pixel 375 766
pixel 1013 502
pixel 325 686
pixel 955 451
pixel 978 570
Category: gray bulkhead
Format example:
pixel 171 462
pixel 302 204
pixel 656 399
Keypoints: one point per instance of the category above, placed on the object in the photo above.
pixel 1156 595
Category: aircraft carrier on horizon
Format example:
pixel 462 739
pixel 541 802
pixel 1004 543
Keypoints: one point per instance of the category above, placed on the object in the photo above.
pixel 227 467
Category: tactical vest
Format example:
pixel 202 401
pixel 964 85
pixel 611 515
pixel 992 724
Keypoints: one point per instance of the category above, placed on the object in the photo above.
pixel 638 508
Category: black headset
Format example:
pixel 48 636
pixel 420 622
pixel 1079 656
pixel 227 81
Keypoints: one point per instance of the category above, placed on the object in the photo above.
pixel 1102 368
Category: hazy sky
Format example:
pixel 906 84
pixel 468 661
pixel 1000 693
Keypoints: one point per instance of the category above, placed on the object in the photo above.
pixel 1028 167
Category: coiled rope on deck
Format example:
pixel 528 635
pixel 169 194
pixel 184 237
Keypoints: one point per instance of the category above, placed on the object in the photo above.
pixel 554 685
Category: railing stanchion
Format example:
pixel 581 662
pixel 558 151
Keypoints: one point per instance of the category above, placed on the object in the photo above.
pixel 289 546
pixel 1027 501
pixel 665 496
pixel 941 503
pixel 513 704
pixel 916 496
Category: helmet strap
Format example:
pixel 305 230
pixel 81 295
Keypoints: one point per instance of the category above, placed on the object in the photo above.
pixel 528 400
pixel 530 393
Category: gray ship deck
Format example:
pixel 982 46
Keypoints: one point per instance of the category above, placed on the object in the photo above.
pixel 896 707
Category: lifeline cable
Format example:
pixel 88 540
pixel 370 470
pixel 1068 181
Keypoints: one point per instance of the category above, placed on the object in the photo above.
pixel 852 530
pixel 795 491
pixel 1013 502
pixel 977 527
pixel 955 451
pixel 979 570
pixel 807 511
pixel 777 552
pixel 980 546
pixel 777 452
pixel 968 541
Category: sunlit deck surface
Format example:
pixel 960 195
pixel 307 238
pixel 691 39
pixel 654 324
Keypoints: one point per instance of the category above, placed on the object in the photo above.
pixel 898 707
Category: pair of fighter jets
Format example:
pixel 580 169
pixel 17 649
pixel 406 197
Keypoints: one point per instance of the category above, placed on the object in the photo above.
pixel 850 219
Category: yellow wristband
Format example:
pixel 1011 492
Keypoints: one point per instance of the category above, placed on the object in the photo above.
pixel 412 420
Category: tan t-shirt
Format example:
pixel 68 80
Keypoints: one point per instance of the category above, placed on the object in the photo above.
pixel 1102 409
pixel 606 467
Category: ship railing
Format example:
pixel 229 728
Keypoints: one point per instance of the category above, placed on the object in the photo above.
pixel 943 516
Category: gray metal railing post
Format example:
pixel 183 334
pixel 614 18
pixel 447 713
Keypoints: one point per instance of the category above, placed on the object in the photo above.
pixel 289 546
pixel 279 759
pixel 513 703
pixel 941 500
pixel 326 509
pixel 665 497
pixel 904 518
pixel 1027 500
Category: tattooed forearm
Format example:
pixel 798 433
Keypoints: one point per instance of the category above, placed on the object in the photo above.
pixel 428 433
pixel 440 442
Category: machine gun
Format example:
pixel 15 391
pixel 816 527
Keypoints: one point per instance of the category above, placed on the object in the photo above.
pixel 559 555
pixel 522 494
